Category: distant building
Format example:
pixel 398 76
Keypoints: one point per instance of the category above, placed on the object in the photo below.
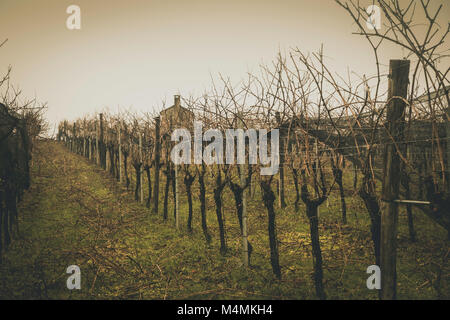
pixel 438 99
pixel 433 95
pixel 176 116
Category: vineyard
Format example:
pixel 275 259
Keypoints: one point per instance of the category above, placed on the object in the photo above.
pixel 362 178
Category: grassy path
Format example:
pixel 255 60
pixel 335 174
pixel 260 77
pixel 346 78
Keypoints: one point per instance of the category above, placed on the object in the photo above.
pixel 75 214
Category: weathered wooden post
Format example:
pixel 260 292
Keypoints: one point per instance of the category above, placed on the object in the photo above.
pixel 65 133
pixel 316 147
pixel 84 142
pixel 157 163
pixel 253 183
pixel 177 213
pixel 397 91
pixel 74 139
pixel 281 197
pixel 176 193
pixel 448 148
pixel 97 144
pixel 243 178
pixel 102 144
pixel 71 138
pixel 107 157
pixel 90 147
pixel 141 161
pixel 120 151
pixel 282 161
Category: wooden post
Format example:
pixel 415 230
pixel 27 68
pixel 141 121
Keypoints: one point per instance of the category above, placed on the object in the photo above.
pixel 141 160
pixel 84 144
pixel 281 168
pixel 252 189
pixel 97 144
pixel 397 90
pixel 120 152
pixel 90 147
pixel 448 149
pixel 157 163
pixel 101 144
pixel 65 133
pixel 243 178
pixel 281 197
pixel 177 213
pixel 74 133
pixel 107 157
pixel 316 145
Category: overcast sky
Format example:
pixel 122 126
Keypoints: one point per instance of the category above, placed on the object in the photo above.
pixel 139 52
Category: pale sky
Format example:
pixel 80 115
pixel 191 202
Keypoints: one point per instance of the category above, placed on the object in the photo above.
pixel 137 53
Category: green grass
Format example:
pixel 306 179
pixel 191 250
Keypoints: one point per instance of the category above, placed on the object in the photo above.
pixel 76 214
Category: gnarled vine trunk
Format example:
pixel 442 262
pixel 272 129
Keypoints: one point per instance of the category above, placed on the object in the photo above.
pixel 220 185
pixel 202 196
pixel 269 199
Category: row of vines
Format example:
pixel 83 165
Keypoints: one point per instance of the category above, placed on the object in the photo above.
pixel 21 123
pixel 329 127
